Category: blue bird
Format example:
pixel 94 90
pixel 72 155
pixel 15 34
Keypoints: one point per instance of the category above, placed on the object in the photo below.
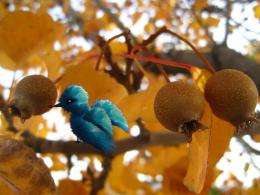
pixel 92 125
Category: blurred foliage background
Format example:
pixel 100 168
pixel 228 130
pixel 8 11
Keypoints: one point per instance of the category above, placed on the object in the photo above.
pixel 63 39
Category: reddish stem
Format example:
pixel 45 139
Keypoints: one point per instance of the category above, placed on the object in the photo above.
pixel 156 60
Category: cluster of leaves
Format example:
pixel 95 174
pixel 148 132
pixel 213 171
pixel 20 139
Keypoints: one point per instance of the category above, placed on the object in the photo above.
pixel 27 40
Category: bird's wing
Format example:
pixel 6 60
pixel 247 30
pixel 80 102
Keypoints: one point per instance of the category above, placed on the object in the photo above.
pixel 113 112
pixel 91 134
pixel 99 118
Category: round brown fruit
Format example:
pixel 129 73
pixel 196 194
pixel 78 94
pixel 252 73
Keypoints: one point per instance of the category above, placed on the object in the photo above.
pixel 179 106
pixel 232 96
pixel 33 95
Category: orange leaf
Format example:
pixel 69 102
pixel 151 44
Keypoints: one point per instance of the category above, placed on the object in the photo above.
pixel 22 33
pixel 68 187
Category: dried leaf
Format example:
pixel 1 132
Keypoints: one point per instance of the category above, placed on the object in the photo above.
pixel 98 84
pixel 21 168
pixel 22 33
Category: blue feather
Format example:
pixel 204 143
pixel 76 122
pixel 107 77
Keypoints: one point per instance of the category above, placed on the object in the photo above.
pixel 99 117
pixel 91 134
pixel 113 112
pixel 92 125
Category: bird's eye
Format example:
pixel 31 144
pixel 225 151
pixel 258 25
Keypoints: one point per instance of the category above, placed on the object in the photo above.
pixel 69 101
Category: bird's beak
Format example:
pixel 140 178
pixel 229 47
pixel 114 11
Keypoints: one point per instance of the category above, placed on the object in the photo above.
pixel 57 105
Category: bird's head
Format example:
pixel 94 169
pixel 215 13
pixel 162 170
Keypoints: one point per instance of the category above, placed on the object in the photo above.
pixel 73 99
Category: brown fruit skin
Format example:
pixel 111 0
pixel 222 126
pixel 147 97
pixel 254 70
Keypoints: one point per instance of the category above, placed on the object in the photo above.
pixel 33 95
pixel 232 95
pixel 177 103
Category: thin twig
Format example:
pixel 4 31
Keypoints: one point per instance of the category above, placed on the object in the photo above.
pixel 165 30
pixel 106 45
pixel 98 183
pixel 228 14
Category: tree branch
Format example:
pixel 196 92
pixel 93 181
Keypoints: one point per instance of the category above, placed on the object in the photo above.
pixel 113 17
pixel 132 143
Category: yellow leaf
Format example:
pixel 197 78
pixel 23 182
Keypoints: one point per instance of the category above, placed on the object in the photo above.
pixel 117 178
pixel 173 176
pixel 156 164
pixel 6 61
pixel 91 26
pixel 98 84
pixel 20 167
pixel 200 77
pixel 53 62
pixel 149 27
pixel 195 26
pixel 207 147
pixel 69 187
pixel 132 105
pixel 136 17
pixel 211 21
pixel 22 33
pixel 198 158
pixel 118 47
pixel 200 4
pixel 221 134
pixel 257 11
pixel 154 126
pixel 57 164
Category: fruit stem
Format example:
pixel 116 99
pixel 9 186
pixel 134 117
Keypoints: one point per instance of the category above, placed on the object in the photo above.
pixel 190 127
pixel 165 30
pixel 105 47
pixel 161 69
pixel 155 60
